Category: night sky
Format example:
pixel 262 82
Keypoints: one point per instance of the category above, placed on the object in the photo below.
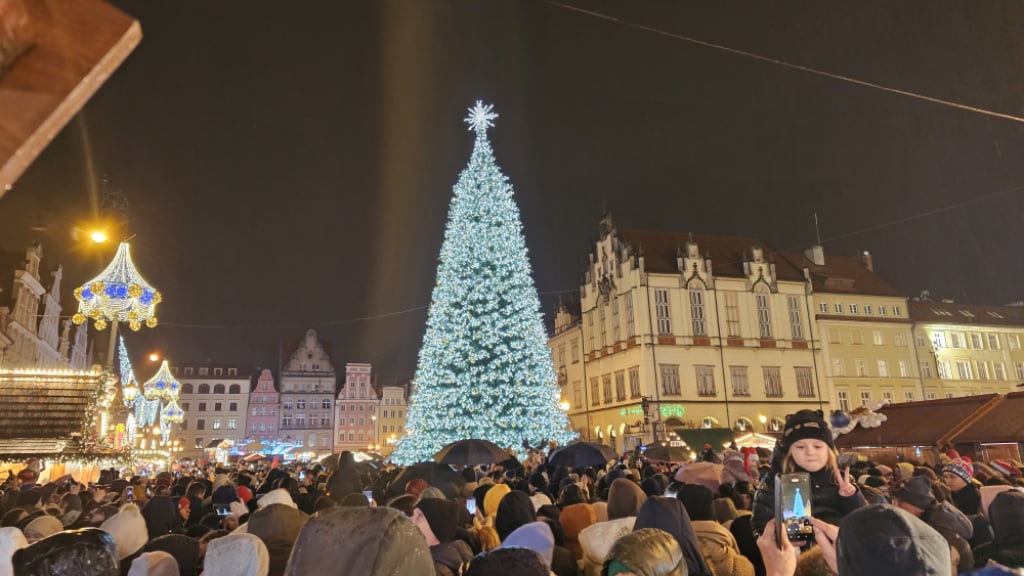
pixel 289 166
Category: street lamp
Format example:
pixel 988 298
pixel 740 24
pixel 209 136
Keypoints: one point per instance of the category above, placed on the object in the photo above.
pixel 763 419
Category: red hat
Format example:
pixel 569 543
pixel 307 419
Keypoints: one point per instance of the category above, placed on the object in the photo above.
pixel 416 486
pixel 28 476
pixel 1005 467
pixel 962 467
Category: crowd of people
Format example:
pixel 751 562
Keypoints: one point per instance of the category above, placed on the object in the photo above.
pixel 524 518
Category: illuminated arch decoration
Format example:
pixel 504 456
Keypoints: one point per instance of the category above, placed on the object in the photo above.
pixel 162 385
pixel 118 294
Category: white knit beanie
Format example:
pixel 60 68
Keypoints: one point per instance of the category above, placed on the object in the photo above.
pixel 128 529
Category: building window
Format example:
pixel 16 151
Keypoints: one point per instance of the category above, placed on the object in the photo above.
pixel 616 336
pixel 963 370
pixel 1014 341
pixel 630 323
pixel 561 355
pixel 835 336
pixel 705 380
pixel 234 389
pixel 590 330
pixel 341 407
pixel 606 380
pixel 908 396
pixel 232 423
pixel 732 314
pixel 881 310
pixel 199 442
pixel 867 309
pixel 670 379
pixel 325 404
pixel 855 336
pixel 930 395
pixel 216 423
pixel 740 383
pixel 202 406
pixel 993 341
pixel 865 398
pixel 217 406
pixel 939 340
pixel 218 371
pixel 823 308
pixel 183 425
pixel 887 396
pixel 201 424
pixel 1000 370
pixel 620 385
pixel 186 388
pixel 252 427
pixel 204 388
pixel 697 312
pixel 604 324
pixel 804 382
pixel 663 311
pixel 577 394
pixel 899 338
pixel 595 390
pixel 838 368
pixel 772 382
pixel 796 326
pixel 876 338
pixel 904 369
pixel 1019 367
pixel 185 406
pixel 853 308
pixel 895 310
pixel 844 401
pixel 574 346
pixel 976 341
pixel 862 366
pixel 764 322
pixel 232 371
pixel 233 406
pixel 286 421
pixel 883 369
pixel 838 308
pixel 634 382
pixel 204 371
pixel 983 373
pixel 945 373
pixel 300 404
pixel 188 370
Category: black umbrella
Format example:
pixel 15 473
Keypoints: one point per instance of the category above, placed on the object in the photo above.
pixel 579 455
pixel 667 453
pixel 439 475
pixel 470 453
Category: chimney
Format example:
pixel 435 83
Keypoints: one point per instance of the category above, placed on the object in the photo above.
pixel 865 257
pixel 816 254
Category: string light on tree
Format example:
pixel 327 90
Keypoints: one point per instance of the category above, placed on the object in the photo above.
pixel 485 370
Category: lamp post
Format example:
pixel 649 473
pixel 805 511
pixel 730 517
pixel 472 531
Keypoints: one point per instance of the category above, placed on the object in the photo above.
pixel 763 419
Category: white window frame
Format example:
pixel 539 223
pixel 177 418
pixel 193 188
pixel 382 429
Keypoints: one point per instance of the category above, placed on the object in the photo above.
pixel 838 367
pixel 865 397
pixel 705 378
pixel 844 400
pixel 740 381
pixel 697 320
pixel 772 381
pixel 877 338
pixel 883 369
pixel 804 381
pixel 663 311
pixel 908 395
pixel 670 379
pixel 904 369
pixel 993 341
pixel 796 325
pixel 630 322
pixel 764 319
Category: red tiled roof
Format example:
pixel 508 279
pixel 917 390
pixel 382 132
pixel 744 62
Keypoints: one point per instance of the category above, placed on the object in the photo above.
pixel 915 423
pixel 952 313
pixel 842 275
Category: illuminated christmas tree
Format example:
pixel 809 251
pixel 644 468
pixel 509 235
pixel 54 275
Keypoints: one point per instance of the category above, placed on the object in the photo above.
pixel 485 370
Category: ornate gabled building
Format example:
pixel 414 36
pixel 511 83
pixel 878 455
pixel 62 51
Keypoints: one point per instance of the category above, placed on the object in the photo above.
pixel 308 390
pixel 32 333
pixel 264 404
pixel 357 406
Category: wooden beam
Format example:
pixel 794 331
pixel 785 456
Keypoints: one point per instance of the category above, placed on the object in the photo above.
pixel 956 430
pixel 78 45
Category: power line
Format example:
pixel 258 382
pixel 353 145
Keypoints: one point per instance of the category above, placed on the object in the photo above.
pixel 791 65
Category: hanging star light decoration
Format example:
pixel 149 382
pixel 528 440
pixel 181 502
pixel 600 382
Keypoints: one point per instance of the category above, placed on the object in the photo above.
pixel 118 294
pixel 161 385
pixel 480 117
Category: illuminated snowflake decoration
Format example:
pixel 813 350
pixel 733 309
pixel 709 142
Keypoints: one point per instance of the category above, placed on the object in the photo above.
pixel 480 117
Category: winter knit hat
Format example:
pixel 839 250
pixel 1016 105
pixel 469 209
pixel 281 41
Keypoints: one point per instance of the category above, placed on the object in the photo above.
pixel 41 527
pixel 493 498
pixel 536 536
pixel 237 555
pixel 904 471
pixel 805 424
pixel 624 499
pixel 128 529
pixel 11 540
pixel 962 468
pixel 155 563
pixel 442 516
pixel 540 500
pixel 883 539
pixel 916 492
pixel 1005 467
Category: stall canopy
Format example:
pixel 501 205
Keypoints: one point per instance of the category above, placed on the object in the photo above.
pixel 926 423
pixel 696 438
pixel 1001 423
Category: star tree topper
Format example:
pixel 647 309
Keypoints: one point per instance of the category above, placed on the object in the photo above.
pixel 480 117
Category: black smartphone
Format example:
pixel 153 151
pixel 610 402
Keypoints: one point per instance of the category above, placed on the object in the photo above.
pixel 793 507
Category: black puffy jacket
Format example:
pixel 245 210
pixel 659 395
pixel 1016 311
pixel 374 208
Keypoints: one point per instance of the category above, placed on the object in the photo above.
pixel 826 503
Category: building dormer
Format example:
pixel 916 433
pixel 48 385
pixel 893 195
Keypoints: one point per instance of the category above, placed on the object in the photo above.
pixel 695 270
pixel 759 270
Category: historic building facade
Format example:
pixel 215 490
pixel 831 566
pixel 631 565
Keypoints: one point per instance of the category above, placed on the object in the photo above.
pixel 215 399
pixel 32 333
pixel 308 391
pixel 356 410
pixel 391 417
pixel 262 419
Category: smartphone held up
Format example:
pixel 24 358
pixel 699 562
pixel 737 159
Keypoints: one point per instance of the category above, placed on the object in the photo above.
pixel 793 507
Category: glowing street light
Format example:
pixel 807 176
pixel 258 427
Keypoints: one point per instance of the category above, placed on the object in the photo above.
pixel 98 236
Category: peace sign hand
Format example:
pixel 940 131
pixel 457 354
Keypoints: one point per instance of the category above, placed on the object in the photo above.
pixel 846 488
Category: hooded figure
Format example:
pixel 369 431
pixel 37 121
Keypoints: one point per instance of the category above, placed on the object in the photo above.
pixel 668 514
pixel 155 563
pixel 512 561
pixel 185 551
pixel 625 498
pixel 882 539
pixel 277 525
pixel 360 542
pixel 128 529
pixel 239 554
pixel 717 544
pixel 11 540
pixel 735 469
pixel 916 498
pixel 624 501
pixel 536 536
pixel 41 527
pixel 161 515
pixel 85 552
pixel 1007 517
pixel 345 479
pixel 438 521
pixel 514 510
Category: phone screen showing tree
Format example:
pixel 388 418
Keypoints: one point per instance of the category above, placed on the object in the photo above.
pixel 793 503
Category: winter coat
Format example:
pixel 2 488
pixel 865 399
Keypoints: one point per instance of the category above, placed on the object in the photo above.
pixel 450 557
pixel 360 542
pixel 563 563
pixel 574 518
pixel 345 480
pixel 826 503
pixel 161 515
pixel 955 527
pixel 743 532
pixel 881 539
pixel 968 499
pixel 670 515
pixel 597 539
pixel 278 525
pixel 720 551
pixel 1007 516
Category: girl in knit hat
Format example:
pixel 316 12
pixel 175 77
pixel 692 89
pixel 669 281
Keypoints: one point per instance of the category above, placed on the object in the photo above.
pixel 958 475
pixel 806 446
